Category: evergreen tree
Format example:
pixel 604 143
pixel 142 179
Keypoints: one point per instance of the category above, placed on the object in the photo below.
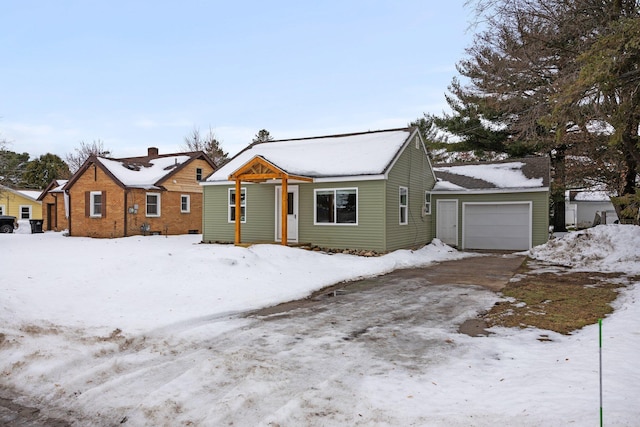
pixel 41 171
pixel 12 166
pixel 537 81
pixel 210 145
pixel 262 136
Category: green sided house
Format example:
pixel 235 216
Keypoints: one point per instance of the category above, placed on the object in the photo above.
pixel 356 191
pixel 493 206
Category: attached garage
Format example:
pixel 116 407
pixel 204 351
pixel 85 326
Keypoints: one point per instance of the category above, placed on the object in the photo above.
pixel 492 205
pixel 496 226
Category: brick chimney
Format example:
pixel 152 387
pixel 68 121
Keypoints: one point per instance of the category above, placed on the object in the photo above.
pixel 152 152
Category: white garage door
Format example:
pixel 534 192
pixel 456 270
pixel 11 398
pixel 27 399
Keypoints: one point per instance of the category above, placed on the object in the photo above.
pixel 497 226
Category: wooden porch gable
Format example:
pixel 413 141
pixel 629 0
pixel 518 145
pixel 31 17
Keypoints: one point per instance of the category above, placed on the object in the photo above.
pixel 258 169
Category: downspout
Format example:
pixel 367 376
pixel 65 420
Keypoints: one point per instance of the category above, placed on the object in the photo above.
pixel 69 219
pixel 126 210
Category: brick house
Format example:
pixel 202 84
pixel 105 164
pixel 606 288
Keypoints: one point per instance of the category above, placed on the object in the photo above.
pixel 55 207
pixel 152 194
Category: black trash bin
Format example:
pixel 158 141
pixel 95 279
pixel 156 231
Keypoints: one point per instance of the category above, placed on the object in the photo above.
pixel 36 226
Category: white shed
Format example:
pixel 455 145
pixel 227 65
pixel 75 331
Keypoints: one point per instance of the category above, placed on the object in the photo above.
pixel 583 207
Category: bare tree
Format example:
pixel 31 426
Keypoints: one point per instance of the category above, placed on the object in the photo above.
pixel 209 144
pixel 81 154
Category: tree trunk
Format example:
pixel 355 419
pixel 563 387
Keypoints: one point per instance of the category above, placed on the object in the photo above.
pixel 558 189
pixel 631 155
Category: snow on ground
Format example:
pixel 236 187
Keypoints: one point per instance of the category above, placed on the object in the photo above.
pixel 603 248
pixel 144 331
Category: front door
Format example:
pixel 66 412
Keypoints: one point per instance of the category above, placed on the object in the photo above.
pixel 292 213
pixel 447 222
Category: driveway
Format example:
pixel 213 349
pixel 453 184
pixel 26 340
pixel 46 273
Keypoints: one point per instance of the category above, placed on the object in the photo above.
pixel 489 271
pixel 312 352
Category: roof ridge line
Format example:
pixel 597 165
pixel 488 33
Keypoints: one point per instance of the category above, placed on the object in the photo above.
pixel 342 134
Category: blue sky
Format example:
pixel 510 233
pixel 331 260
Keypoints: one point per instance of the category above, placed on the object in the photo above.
pixel 136 74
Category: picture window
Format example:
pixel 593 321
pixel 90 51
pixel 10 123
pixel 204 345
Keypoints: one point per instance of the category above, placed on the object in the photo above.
pixel 336 206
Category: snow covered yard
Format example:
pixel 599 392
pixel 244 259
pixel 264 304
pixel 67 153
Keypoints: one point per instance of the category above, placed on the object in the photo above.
pixel 147 331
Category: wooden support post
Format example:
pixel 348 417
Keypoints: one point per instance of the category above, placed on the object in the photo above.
pixel 285 210
pixel 238 240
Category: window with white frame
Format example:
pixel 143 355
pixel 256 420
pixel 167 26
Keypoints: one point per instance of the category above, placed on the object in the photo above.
pixel 25 211
pixel 232 205
pixel 2 209
pixel 336 206
pixel 185 203
pixel 427 203
pixel 198 174
pixel 153 204
pixel 96 204
pixel 404 205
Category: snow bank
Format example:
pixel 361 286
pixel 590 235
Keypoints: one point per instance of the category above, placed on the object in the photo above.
pixel 613 247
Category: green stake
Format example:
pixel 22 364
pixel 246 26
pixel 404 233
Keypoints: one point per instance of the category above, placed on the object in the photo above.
pixel 600 329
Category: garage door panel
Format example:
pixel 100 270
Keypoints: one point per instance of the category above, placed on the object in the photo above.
pixel 496 226
pixel 498 220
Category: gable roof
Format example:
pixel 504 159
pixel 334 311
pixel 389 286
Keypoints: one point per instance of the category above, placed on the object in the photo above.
pixel 145 172
pixel 55 186
pixel 531 173
pixel 347 155
pixel 31 195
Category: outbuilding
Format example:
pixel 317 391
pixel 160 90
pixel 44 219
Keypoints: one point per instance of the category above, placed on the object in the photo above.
pixel 586 208
pixel 492 205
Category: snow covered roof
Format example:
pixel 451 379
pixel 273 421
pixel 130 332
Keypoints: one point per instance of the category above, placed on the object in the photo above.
pixel 146 172
pixel 368 153
pixel 29 194
pixel 143 175
pixel 526 173
pixel 55 186
pixel 589 196
pixel 60 183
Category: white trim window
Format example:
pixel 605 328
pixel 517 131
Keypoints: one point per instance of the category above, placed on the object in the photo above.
pixel 25 211
pixel 2 209
pixel 403 202
pixel 95 204
pixel 231 212
pixel 336 206
pixel 427 203
pixel 185 203
pixel 152 204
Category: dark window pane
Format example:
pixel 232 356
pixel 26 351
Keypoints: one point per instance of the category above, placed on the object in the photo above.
pixel 290 204
pixel 324 206
pixel 152 204
pixel 346 206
